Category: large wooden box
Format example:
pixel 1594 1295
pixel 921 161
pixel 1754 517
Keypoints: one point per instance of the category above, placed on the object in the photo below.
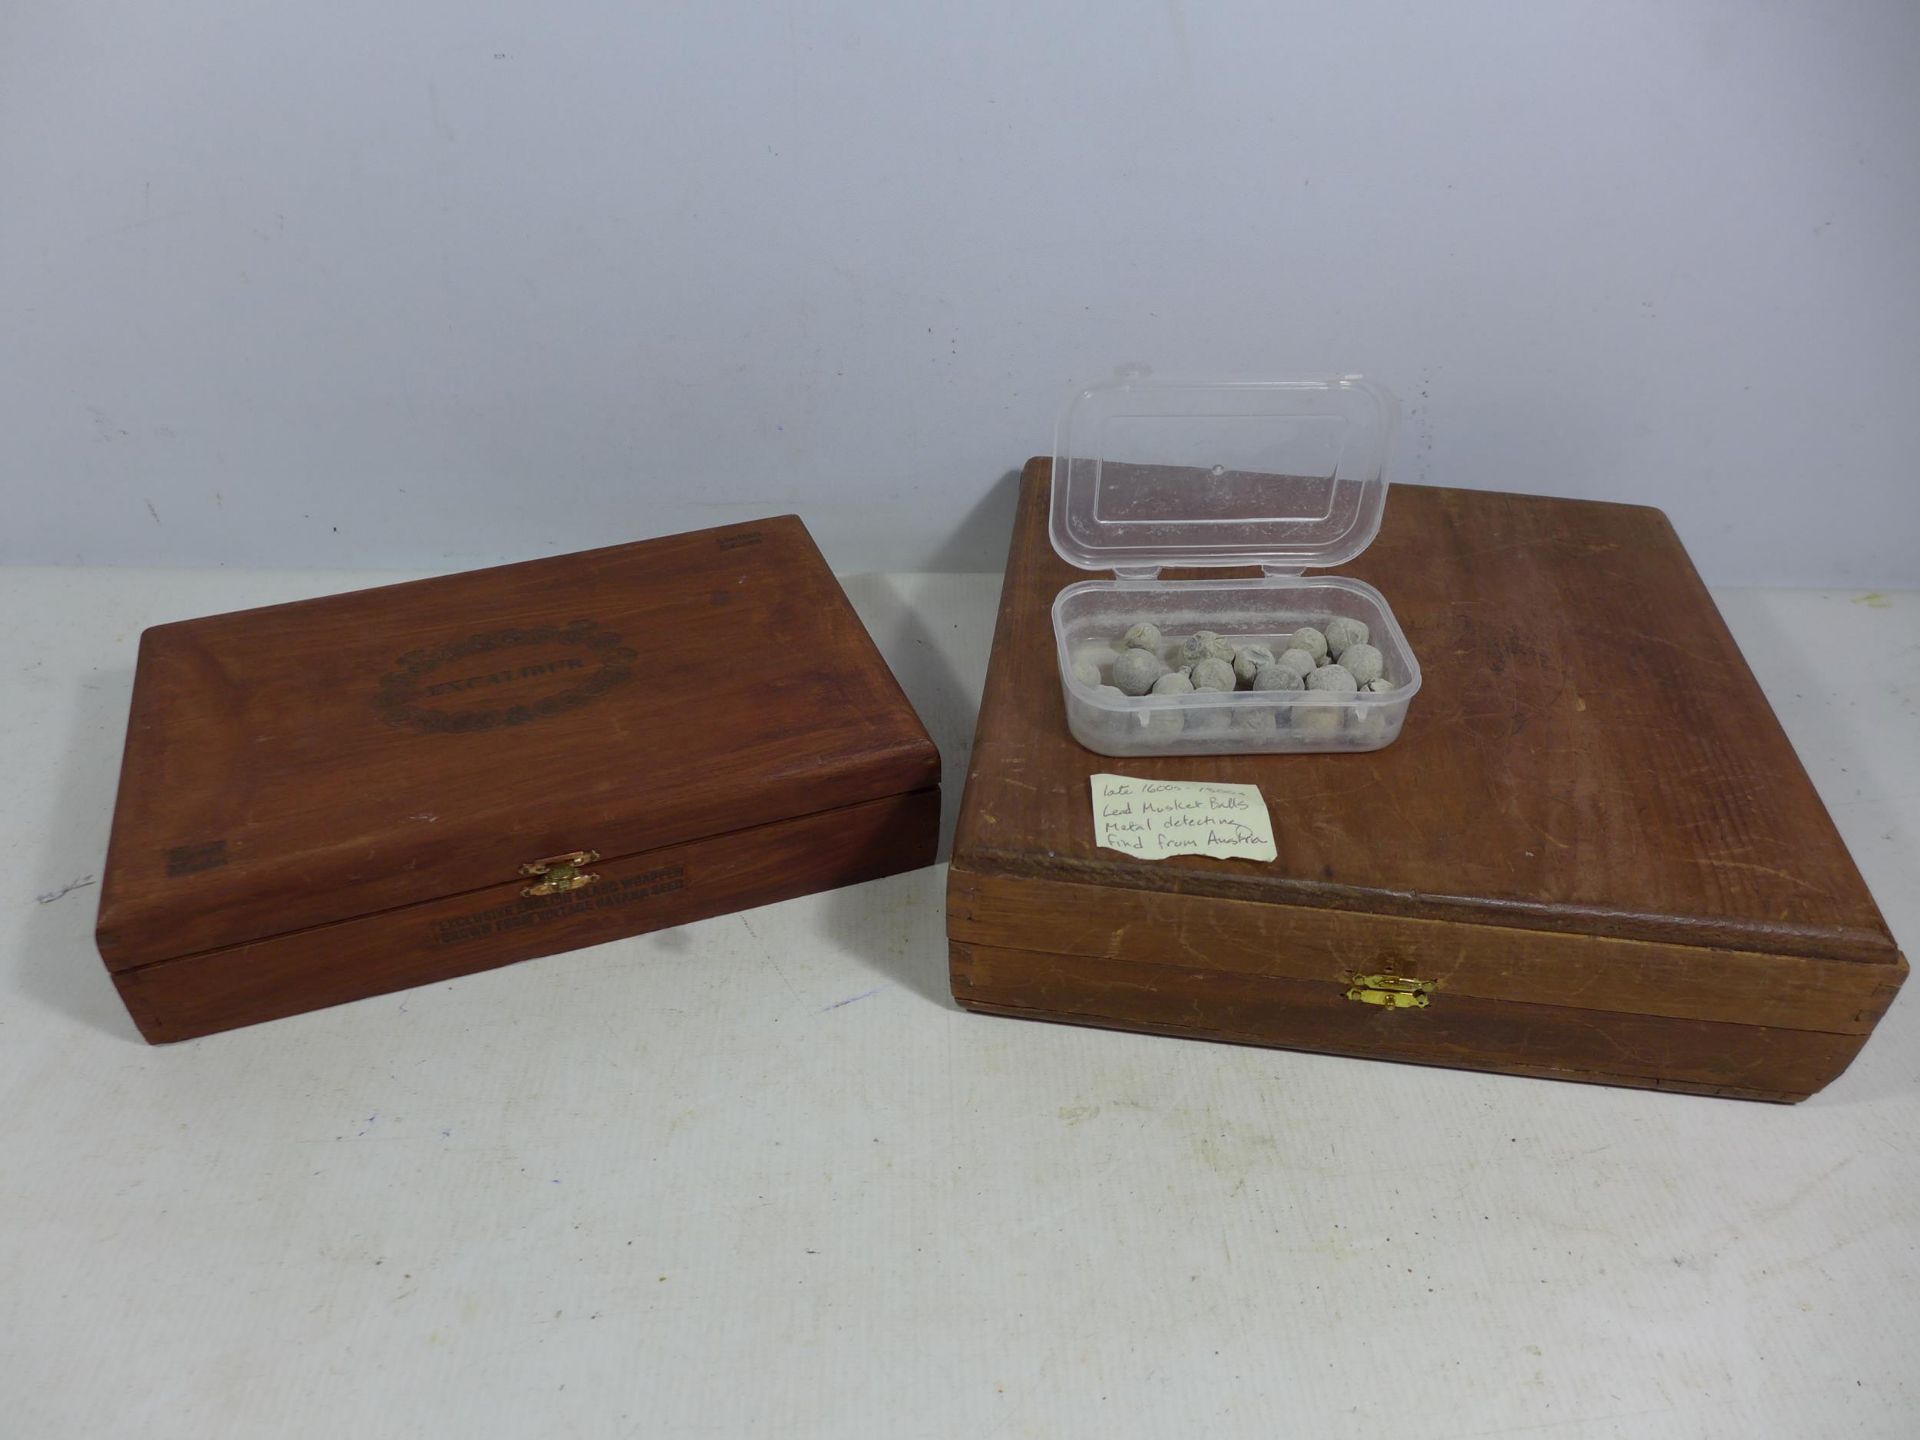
pixel 335 798
pixel 1592 853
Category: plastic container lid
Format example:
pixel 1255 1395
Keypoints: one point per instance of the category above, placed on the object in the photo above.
pixel 1285 474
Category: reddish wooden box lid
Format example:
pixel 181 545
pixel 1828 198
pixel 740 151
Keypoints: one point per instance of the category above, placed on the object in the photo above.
pixel 306 763
pixel 1589 753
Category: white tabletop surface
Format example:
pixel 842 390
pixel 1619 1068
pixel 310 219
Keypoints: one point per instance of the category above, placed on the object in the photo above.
pixel 760 1176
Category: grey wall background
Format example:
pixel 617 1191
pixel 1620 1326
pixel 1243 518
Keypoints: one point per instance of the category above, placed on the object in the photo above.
pixel 455 281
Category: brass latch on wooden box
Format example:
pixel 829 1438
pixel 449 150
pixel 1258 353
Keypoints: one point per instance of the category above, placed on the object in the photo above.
pixel 1395 992
pixel 559 874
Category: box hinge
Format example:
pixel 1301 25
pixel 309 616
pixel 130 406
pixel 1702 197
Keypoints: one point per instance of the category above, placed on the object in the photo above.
pixel 559 874
pixel 1394 992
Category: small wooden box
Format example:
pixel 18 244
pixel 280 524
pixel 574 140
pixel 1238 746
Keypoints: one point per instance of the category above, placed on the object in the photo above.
pixel 340 797
pixel 1592 854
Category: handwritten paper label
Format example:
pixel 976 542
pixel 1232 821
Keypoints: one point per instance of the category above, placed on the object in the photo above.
pixel 1157 818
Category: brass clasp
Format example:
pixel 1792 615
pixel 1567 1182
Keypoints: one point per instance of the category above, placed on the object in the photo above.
pixel 1394 992
pixel 558 874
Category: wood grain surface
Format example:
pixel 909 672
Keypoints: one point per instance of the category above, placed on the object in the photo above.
pixel 1589 751
pixel 1748 1062
pixel 1487 962
pixel 303 764
pixel 436 940
pixel 1592 834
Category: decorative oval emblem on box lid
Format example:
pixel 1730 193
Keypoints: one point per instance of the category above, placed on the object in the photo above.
pixel 510 676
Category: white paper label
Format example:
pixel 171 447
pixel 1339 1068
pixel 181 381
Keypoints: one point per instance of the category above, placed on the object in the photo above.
pixel 1153 819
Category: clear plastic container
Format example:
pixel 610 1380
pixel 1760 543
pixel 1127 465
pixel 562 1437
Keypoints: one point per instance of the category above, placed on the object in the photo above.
pixel 1280 474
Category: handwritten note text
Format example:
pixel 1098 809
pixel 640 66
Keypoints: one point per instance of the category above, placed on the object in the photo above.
pixel 1157 818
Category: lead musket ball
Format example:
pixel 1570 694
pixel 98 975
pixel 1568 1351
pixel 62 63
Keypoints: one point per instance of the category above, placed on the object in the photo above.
pixel 1362 661
pixel 1312 641
pixel 1342 632
pixel 1136 670
pixel 1206 645
pixel 1277 677
pixel 1297 660
pixel 1249 659
pixel 1212 673
pixel 1336 679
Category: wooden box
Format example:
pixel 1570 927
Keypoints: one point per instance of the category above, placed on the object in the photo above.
pixel 1591 855
pixel 340 797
